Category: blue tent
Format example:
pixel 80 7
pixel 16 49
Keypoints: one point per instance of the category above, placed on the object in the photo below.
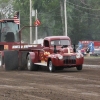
pixel 80 45
pixel 91 46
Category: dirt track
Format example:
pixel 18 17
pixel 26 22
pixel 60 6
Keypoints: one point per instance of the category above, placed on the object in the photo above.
pixel 68 84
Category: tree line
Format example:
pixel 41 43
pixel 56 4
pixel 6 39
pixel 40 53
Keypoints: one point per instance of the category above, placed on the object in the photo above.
pixel 83 17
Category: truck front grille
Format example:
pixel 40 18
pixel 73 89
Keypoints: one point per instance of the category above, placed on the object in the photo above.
pixel 69 59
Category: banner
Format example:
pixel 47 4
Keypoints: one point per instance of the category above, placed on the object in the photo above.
pixel 16 18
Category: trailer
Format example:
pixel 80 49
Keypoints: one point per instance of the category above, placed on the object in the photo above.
pixel 56 53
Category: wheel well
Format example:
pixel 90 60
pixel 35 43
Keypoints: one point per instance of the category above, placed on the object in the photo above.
pixel 49 59
pixel 27 55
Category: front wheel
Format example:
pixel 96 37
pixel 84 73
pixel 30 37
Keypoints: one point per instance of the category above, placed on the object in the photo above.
pixel 30 65
pixel 51 67
pixel 79 67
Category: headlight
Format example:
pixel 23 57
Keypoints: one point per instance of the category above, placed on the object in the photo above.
pixel 60 56
pixel 84 52
pixel 78 55
pixel 82 55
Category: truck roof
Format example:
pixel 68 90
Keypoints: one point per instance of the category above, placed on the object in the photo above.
pixel 7 20
pixel 56 37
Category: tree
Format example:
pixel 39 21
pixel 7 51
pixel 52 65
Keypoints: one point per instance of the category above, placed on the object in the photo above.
pixel 83 17
pixel 49 14
pixel 6 9
pixel 84 20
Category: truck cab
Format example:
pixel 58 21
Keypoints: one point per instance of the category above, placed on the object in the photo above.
pixel 58 41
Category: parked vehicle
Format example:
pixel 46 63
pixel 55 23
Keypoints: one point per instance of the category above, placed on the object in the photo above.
pixel 92 47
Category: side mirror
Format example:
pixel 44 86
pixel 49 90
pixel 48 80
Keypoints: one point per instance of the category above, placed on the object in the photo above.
pixel 55 51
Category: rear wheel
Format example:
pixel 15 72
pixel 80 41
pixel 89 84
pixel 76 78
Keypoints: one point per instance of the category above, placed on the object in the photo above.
pixel 79 67
pixel 51 67
pixel 30 65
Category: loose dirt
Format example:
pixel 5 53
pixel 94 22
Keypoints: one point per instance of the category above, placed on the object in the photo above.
pixel 68 84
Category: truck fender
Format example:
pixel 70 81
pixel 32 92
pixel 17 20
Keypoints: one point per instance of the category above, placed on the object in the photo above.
pixel 33 56
pixel 54 60
pixel 51 59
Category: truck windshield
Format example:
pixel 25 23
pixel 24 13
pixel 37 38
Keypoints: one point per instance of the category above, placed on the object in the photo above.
pixel 60 42
pixel 8 28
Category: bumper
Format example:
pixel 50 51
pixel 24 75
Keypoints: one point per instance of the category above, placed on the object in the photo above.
pixel 68 62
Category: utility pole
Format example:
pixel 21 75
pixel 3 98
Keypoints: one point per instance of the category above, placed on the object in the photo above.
pixel 36 32
pixel 65 14
pixel 30 21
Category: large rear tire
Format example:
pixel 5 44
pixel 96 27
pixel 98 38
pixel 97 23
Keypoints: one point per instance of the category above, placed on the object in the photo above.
pixel 30 64
pixel 51 66
pixel 11 60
